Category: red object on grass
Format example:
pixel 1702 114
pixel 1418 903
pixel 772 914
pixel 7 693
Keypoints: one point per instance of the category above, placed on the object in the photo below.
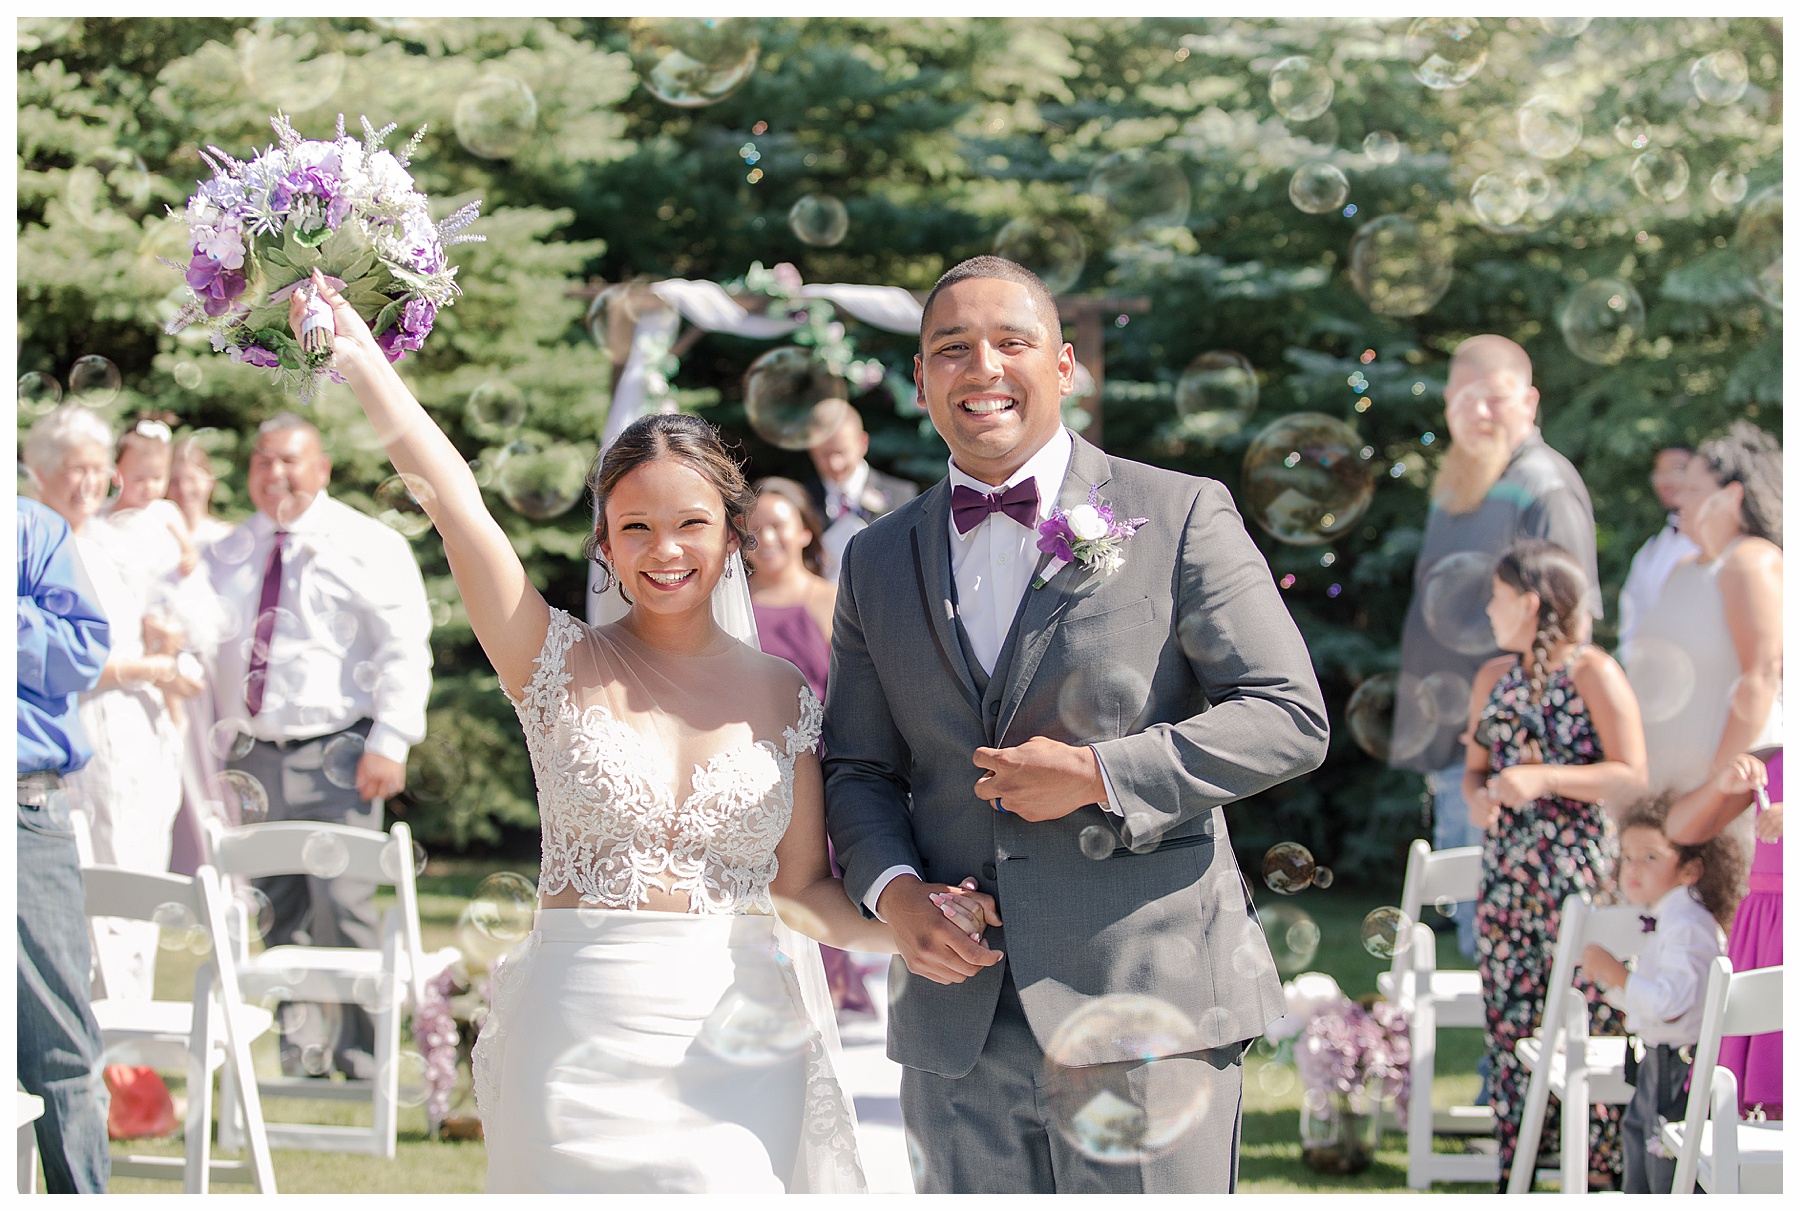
pixel 141 1105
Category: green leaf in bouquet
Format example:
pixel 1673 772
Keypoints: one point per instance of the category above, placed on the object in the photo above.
pixel 312 237
pixel 365 297
pixel 345 248
pixel 389 316
pixel 268 316
pixel 273 339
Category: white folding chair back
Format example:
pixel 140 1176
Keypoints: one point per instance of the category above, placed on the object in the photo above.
pixel 31 1109
pixel 212 1033
pixel 1563 1058
pixel 1711 1144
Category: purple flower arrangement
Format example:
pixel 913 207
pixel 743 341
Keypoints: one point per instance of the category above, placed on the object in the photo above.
pixel 434 1029
pixel 1345 1048
pixel 347 208
pixel 1088 534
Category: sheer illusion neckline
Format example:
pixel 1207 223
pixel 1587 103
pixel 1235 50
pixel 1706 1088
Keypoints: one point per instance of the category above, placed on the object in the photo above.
pixel 700 773
pixel 619 632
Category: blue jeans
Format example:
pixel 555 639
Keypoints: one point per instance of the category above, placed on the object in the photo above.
pixel 1450 828
pixel 59 1042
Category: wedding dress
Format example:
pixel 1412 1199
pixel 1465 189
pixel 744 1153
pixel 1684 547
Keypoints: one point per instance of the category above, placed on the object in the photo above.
pixel 631 1050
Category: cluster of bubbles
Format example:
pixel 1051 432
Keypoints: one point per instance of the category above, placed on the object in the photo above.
pixel 1719 78
pixel 1216 395
pixel 1306 479
pixel 93 381
pixel 1094 1062
pixel 1757 244
pixel 1446 52
pixel 1289 869
pixel 1051 248
pixel 1399 267
pixel 1662 676
pixel 818 219
pixel 1386 932
pixel 495 407
pixel 1318 187
pixel 497 917
pixel 1292 935
pixel 541 480
pixel 400 504
pixel 1515 199
pixel 1300 88
pixel 791 398
pixel 495 118
pixel 1144 190
pixel 690 62
pixel 178 928
pixel 1602 319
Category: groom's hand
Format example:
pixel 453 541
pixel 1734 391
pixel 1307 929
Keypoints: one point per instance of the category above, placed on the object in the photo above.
pixel 929 942
pixel 1040 780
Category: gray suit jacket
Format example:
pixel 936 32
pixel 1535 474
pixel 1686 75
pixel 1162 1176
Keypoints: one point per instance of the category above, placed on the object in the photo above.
pixel 1184 670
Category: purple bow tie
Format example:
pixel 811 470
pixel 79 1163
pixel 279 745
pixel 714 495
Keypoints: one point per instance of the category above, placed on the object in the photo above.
pixel 969 508
pixel 1648 923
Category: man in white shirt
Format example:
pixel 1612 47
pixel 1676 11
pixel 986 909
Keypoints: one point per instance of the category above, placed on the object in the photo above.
pixel 849 492
pixel 1651 566
pixel 332 655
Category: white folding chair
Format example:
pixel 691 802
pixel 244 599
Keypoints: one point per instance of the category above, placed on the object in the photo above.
pixel 1726 1155
pixel 1562 1057
pixel 1433 1000
pixel 31 1109
pixel 210 1034
pixel 382 981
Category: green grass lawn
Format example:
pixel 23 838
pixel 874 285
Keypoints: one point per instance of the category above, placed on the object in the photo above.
pixel 1271 1134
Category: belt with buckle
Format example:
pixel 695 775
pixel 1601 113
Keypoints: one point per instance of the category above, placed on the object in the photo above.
pixel 36 788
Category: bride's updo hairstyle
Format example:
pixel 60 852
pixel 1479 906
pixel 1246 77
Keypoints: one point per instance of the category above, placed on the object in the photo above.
pixel 687 439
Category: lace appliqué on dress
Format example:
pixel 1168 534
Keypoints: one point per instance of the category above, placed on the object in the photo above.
pixel 488 1055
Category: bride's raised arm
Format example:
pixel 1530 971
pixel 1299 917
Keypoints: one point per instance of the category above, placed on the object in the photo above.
pixel 507 613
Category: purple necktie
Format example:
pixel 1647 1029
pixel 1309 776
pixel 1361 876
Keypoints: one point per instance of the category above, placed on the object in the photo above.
pixel 969 508
pixel 1648 923
pixel 257 678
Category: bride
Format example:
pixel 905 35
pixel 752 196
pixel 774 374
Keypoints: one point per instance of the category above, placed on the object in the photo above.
pixel 661 1028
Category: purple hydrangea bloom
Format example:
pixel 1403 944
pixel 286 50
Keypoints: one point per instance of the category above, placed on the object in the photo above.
pixel 216 286
pixel 256 355
pixel 417 317
pixel 317 183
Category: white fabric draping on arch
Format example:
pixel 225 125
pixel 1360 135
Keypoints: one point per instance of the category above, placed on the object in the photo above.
pixel 706 305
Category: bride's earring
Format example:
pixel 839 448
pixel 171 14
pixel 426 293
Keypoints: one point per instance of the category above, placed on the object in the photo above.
pixel 728 570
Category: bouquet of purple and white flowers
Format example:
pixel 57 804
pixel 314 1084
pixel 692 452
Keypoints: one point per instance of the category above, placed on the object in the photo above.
pixel 1339 1046
pixel 347 208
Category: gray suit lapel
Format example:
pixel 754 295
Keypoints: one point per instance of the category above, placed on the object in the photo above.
pixel 1043 608
pixel 931 571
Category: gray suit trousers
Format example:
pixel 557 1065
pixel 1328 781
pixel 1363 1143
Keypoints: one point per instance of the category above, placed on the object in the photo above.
pixel 995 1130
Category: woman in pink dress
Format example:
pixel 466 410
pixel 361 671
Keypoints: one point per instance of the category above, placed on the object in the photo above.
pixel 1756 929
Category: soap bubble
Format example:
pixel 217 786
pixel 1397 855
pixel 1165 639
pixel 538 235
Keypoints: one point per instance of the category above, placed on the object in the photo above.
pixel 1719 78
pixel 325 855
pixel 341 627
pixel 1382 147
pixel 1143 189
pixel 1499 199
pixel 367 675
pixel 1050 248
pixel 1547 129
pixel 496 406
pixel 1370 714
pixel 187 375
pixel 38 393
pixel 407 1070
pixel 791 399
pixel 376 993
pixel 1662 676
pixel 1100 702
pixel 1293 936
pixel 689 62
pixel 258 909
pixel 503 906
pixel 1565 27
pixel 495 117
pixel 400 503
pixel 755 1023
pixel 94 381
pixel 1729 186
pixel 1443 698
pixel 1288 868
pixel 1323 877
pixel 819 219
pixel 1632 131
pixel 1757 243
pixel 282 72
pixel 1661 176
pixel 440 613
pixel 1216 394
pixel 1398 267
pixel 1602 319
pixel 1318 187
pixel 1276 1080
pixel 234 547
pixel 1305 480
pixel 1386 932
pixel 174 923
pixel 1097 842
pixel 542 482
pixel 1454 602
pixel 434 769
pixel 315 1060
pixel 342 756
pixel 1094 1077
pixel 1300 89
pixel 244 797
pixel 390 860
pixel 1445 906
pixel 229 741
pixel 1446 52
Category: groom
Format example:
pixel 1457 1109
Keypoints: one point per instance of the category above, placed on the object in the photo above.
pixel 1072 748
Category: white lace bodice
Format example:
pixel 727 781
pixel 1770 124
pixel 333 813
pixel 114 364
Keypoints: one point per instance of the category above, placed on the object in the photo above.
pixel 611 823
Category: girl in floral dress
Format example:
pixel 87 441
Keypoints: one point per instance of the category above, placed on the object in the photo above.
pixel 1554 735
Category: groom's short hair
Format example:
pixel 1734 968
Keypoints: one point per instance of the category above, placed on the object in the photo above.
pixel 1005 271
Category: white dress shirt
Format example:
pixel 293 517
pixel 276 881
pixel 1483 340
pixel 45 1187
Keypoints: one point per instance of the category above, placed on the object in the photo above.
pixel 838 497
pixel 1650 568
pixel 993 565
pixel 843 523
pixel 1662 995
pixel 352 639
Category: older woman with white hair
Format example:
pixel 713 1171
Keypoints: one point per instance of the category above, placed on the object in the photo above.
pixel 131 789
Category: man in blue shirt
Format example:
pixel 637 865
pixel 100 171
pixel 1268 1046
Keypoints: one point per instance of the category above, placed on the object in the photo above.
pixel 63 642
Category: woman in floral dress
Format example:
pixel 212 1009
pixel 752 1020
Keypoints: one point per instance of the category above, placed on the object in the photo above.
pixel 1554 735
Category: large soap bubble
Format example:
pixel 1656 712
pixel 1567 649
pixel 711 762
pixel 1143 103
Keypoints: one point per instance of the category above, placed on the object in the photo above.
pixel 1306 480
pixel 341 759
pixel 1292 935
pixel 94 380
pixel 400 502
pixel 791 399
pixel 1757 243
pixel 819 219
pixel 1454 601
pixel 496 117
pixel 1143 189
pixel 38 393
pixel 1300 89
pixel 1399 267
pixel 1288 868
pixel 1094 1076
pixel 1386 932
pixel 1662 676
pixel 1719 78
pixel 1499 199
pixel 1446 52
pixel 1443 698
pixel 1050 248
pixel 541 482
pixel 1548 129
pixel 244 797
pixel 1216 394
pixel 1602 319
pixel 1370 715
pixel 1318 187
pixel 325 855
pixel 693 61
pixel 1382 147
pixel 503 906
pixel 496 406
pixel 1661 176
pixel 1729 186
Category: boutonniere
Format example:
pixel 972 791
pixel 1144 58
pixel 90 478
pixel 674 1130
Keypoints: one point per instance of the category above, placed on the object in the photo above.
pixel 1087 534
